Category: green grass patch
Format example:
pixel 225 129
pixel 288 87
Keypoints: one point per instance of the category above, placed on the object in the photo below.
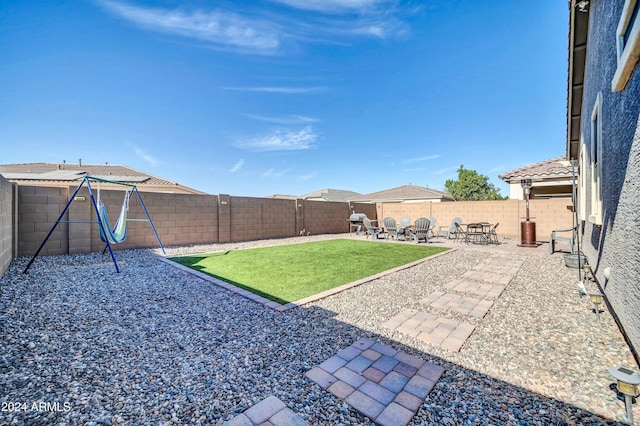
pixel 291 272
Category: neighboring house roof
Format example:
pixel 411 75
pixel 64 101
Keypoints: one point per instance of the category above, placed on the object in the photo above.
pixel 404 193
pixel 326 194
pixel 283 196
pixel 329 194
pixel 65 173
pixel 548 169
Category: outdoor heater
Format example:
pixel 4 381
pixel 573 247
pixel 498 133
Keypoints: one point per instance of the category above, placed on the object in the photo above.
pixel 527 227
pixel 627 384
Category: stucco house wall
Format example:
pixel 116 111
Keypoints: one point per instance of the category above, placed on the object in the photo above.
pixel 615 244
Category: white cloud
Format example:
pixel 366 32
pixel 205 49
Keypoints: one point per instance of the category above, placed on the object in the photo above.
pixel 445 170
pixel 348 18
pixel 144 156
pixel 237 166
pixel 333 6
pixel 284 90
pixel 221 29
pixel 290 119
pixel 308 176
pixel 281 140
pixel 271 33
pixel 271 173
pixel 419 159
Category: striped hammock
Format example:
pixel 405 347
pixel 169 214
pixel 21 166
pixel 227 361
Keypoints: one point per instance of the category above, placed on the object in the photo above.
pixel 118 233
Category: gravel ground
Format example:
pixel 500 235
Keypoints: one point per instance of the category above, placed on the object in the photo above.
pixel 154 345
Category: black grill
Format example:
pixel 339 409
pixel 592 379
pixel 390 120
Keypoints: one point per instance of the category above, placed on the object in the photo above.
pixel 356 222
pixel 357 218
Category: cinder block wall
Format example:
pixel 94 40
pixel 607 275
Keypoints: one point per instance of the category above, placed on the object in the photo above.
pixel 322 217
pixel 38 209
pixel 6 224
pixel 261 218
pixel 548 214
pixel 179 219
pixel 198 219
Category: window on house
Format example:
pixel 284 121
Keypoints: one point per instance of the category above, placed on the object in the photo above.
pixel 582 184
pixel 595 154
pixel 627 44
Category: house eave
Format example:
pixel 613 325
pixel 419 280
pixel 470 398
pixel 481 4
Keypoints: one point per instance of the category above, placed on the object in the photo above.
pixel 578 30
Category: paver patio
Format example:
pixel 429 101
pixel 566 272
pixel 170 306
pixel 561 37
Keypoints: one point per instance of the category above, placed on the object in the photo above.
pixel 384 384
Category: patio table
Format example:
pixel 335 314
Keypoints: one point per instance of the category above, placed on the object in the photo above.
pixel 479 231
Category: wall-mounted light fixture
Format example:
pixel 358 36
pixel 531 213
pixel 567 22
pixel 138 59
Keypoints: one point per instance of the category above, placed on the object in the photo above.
pixel 582 5
pixel 79 198
pixel 224 203
pixel 628 384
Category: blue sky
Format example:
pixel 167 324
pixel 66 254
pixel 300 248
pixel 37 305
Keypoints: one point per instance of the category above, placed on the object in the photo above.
pixel 285 96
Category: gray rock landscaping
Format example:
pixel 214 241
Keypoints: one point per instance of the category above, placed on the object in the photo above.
pixel 155 345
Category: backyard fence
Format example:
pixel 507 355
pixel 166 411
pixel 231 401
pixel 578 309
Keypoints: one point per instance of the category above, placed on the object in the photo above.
pixel 29 212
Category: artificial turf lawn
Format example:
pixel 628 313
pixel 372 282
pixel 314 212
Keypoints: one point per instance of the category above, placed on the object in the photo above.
pixel 291 272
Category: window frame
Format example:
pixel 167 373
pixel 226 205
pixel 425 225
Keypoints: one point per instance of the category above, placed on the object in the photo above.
pixel 595 162
pixel 581 190
pixel 627 53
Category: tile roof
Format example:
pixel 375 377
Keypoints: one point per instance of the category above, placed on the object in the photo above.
pixel 548 169
pixel 68 172
pixel 402 193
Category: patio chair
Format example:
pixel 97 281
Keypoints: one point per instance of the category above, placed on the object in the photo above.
pixel 421 230
pixel 432 225
pixel 569 240
pixel 405 221
pixel 461 233
pixel 390 227
pixel 450 231
pixel 493 235
pixel 370 229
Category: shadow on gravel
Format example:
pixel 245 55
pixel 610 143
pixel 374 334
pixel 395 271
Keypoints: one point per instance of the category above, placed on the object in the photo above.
pixel 155 345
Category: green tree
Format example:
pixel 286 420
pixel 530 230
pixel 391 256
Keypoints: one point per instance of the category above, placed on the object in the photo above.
pixel 472 186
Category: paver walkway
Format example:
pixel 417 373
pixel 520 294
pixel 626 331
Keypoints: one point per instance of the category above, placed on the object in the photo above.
pixel 489 291
pixel 466 305
pixel 486 280
pixel 488 276
pixel 438 331
pixel 384 384
pixel 268 412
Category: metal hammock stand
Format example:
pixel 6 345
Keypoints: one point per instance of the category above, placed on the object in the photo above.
pixel 103 221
